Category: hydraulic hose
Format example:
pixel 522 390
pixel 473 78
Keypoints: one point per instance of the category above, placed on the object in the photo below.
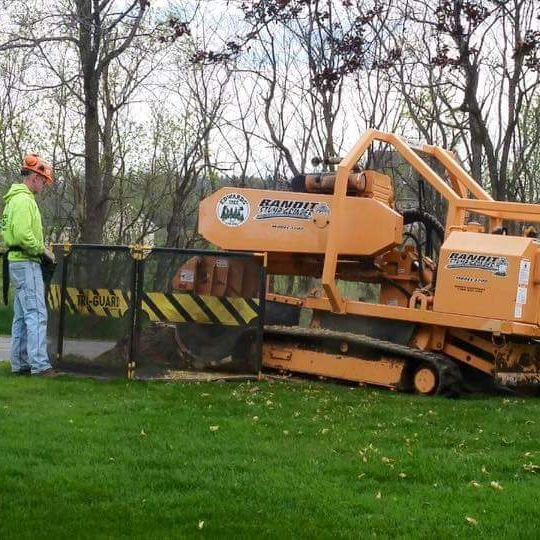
pixel 429 221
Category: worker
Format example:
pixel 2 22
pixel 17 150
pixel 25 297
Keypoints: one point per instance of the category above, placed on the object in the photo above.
pixel 23 236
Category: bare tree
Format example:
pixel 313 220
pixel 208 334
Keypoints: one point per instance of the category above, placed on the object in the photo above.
pixel 96 34
pixel 469 68
pixel 183 124
pixel 329 40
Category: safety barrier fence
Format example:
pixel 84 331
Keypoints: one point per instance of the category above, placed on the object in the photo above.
pixel 117 310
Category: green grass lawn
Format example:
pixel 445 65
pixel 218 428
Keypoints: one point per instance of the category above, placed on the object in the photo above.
pixel 90 459
pixel 6 317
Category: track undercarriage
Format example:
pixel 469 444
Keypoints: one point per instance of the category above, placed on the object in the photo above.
pixel 328 352
pixel 366 351
pixel 360 358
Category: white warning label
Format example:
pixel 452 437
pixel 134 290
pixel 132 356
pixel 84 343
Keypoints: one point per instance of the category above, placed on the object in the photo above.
pixel 524 272
pixel 187 276
pixel 521 295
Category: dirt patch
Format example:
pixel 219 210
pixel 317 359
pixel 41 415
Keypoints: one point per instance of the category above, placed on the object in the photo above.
pixel 158 357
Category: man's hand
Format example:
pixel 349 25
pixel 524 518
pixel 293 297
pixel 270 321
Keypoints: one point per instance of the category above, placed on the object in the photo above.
pixel 49 255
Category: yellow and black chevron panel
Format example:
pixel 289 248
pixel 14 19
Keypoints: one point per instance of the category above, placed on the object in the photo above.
pixel 203 309
pixel 171 307
pixel 53 297
pixel 100 302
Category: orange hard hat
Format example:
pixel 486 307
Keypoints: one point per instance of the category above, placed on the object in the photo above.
pixel 34 163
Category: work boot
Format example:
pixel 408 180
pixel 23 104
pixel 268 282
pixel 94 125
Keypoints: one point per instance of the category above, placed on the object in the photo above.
pixel 50 372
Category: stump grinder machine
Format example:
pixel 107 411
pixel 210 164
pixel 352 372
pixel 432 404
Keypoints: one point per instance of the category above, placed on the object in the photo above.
pixel 463 315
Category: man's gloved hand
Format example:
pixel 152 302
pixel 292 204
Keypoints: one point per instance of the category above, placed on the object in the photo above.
pixel 49 255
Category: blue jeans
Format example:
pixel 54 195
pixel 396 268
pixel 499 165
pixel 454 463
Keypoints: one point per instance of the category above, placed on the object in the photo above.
pixel 29 329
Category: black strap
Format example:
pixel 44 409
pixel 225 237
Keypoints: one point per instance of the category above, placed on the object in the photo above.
pixel 5 270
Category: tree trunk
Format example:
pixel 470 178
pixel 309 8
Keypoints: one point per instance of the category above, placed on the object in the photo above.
pixel 94 215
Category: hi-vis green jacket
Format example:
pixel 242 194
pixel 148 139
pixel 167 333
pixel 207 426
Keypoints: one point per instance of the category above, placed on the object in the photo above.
pixel 21 224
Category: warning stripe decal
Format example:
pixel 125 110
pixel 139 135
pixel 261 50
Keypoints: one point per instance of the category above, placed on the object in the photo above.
pixel 231 309
pixel 57 295
pixel 202 309
pixel 210 313
pixel 178 306
pixel 244 308
pixel 188 302
pixel 165 307
pixel 218 308
pixel 98 302
pixel 53 297
pixel 82 306
pixel 50 300
pixel 158 308
pixel 70 304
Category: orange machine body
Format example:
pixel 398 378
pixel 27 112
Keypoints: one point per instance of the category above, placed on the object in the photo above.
pixel 284 222
pixel 482 309
pixel 488 276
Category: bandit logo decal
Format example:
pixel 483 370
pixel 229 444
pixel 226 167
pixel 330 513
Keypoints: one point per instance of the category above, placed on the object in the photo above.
pixel 490 263
pixel 233 210
pixel 283 208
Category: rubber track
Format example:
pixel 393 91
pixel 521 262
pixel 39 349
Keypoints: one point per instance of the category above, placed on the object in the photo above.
pixel 449 375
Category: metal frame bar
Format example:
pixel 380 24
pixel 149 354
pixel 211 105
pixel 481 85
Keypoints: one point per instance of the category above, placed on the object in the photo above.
pixel 92 247
pixel 261 312
pixel 62 314
pixel 135 302
pixel 233 254
pixel 137 307
pixel 458 205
